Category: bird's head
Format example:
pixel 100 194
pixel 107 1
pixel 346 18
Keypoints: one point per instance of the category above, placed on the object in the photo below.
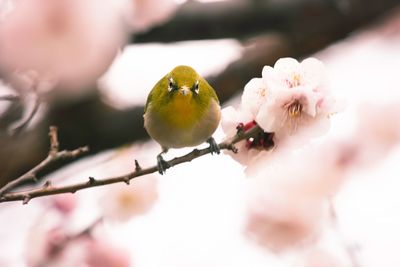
pixel 183 81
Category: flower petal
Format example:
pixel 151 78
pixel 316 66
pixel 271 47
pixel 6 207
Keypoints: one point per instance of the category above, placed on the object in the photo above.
pixel 254 94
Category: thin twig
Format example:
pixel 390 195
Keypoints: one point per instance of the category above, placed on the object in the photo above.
pixel 53 156
pixel 26 196
pixel 11 98
pixel 22 125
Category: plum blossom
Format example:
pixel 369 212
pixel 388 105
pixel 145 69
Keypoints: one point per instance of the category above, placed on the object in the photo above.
pixel 287 206
pixel 122 202
pixel 290 102
pixel 297 100
pixel 49 244
pixel 64 203
pixel 71 41
pixel 377 131
pixel 254 95
pixel 104 254
pixel 320 258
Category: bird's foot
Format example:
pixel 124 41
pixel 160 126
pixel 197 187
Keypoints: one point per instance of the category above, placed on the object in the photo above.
pixel 214 147
pixel 162 164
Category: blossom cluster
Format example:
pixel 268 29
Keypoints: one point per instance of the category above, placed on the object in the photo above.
pixel 290 101
pixel 290 185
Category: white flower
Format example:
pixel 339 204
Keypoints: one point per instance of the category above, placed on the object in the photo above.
pixel 121 202
pixel 297 98
pixel 255 93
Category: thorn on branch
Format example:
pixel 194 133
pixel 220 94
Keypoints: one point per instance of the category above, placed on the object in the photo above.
pixel 137 166
pixel 127 180
pixel 47 184
pixel 34 178
pixel 232 148
pixel 26 200
pixel 92 180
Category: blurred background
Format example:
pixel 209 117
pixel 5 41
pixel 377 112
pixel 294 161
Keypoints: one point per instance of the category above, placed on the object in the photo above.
pixel 87 67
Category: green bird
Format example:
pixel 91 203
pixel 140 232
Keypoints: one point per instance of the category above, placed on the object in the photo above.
pixel 182 110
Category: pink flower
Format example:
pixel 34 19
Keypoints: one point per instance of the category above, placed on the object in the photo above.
pixel 104 254
pixel 50 245
pixel 64 203
pixel 288 196
pixel 121 202
pixel 320 258
pixel 71 41
pixel 290 103
pixel 255 94
pixel 297 101
pixel 377 131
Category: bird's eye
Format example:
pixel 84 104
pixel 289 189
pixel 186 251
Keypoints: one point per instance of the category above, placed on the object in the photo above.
pixel 171 84
pixel 196 88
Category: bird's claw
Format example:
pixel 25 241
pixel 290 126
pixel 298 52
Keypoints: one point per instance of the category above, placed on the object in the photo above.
pixel 162 165
pixel 214 147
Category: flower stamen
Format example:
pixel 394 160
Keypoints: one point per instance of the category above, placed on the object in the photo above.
pixel 295 108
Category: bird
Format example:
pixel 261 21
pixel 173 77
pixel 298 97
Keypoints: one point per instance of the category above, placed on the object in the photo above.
pixel 182 110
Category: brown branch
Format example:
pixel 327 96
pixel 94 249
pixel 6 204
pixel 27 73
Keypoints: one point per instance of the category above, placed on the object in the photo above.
pixel 53 156
pixel 11 98
pixel 48 189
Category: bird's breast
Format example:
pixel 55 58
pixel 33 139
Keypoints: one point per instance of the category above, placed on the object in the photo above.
pixel 181 112
pixel 182 124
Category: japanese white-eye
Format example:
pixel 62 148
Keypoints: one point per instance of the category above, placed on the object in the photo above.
pixel 182 110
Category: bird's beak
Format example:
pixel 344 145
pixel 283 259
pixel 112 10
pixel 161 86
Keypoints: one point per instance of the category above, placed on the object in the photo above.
pixel 184 90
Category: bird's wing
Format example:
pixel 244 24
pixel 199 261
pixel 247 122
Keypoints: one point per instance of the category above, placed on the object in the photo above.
pixel 149 98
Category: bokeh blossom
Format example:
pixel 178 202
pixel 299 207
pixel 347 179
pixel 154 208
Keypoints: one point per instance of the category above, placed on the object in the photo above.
pixel 377 132
pixel 320 258
pixel 121 202
pixel 71 41
pixel 102 253
pixel 288 198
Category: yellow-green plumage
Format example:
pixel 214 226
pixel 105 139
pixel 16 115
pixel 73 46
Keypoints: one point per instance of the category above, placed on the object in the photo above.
pixel 183 114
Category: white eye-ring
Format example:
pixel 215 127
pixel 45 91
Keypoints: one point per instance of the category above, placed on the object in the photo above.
pixel 171 84
pixel 196 87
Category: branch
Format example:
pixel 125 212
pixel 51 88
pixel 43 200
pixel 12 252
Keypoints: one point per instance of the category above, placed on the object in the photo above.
pixel 11 98
pixel 47 189
pixel 53 156
pixel 22 125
